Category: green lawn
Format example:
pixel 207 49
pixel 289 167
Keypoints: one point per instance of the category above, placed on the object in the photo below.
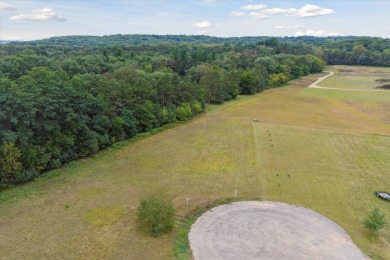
pixel 365 96
pixel 333 173
pixel 323 152
pixel 350 82
pixel 356 77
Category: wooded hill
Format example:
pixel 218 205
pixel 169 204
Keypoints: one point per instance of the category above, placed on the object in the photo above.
pixel 139 39
pixel 370 51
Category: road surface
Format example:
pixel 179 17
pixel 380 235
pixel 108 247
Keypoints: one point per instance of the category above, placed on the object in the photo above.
pixel 268 230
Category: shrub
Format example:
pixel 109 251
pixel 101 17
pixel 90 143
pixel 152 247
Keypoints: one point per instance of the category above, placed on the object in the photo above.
pixel 196 107
pixel 382 80
pixel 385 86
pixel 9 162
pixel 183 112
pixel 155 215
pixel 375 221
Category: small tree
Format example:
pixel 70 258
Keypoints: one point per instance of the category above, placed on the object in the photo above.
pixel 9 162
pixel 374 222
pixel 183 112
pixel 155 215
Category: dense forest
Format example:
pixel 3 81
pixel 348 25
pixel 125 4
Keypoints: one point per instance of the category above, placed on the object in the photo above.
pixel 348 50
pixel 139 39
pixel 68 97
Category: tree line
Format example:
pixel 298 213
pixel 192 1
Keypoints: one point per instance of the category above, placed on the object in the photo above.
pixel 61 103
pixel 340 50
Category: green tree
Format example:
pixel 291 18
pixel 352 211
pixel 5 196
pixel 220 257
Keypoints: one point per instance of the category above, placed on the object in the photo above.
pixel 374 222
pixel 183 112
pixel 358 50
pixel 213 82
pixel 88 142
pixel 155 215
pixel 196 107
pixel 144 116
pixel 117 129
pixel 232 80
pixel 71 67
pixel 272 42
pixel 130 123
pixel 248 82
pixel 9 162
pixel 268 62
pixel 164 83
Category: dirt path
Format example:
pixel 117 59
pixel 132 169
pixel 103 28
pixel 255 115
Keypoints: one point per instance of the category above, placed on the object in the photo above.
pixel 314 85
pixel 269 230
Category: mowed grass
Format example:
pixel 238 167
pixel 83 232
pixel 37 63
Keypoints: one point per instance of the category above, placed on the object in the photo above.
pixel 356 77
pixel 324 153
pixel 372 98
pixel 342 190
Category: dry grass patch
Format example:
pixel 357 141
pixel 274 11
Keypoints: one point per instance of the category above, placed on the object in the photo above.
pixel 102 216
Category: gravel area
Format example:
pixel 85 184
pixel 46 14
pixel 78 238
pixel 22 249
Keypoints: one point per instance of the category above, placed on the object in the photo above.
pixel 268 230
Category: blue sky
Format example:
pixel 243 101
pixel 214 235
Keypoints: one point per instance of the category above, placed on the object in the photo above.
pixel 37 19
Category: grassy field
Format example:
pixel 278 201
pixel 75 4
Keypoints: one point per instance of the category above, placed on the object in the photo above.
pixel 317 148
pixel 348 77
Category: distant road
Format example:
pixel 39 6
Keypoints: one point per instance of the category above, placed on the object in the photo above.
pixel 314 85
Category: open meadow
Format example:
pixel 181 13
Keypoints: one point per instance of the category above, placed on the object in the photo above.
pixel 326 150
pixel 348 77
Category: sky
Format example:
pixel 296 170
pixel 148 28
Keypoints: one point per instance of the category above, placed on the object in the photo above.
pixel 38 19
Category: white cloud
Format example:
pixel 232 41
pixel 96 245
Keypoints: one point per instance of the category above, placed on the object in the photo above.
pixel 310 11
pixel 44 14
pixel 259 15
pixel 276 11
pixel 261 12
pixel 204 24
pixel 305 11
pixel 253 7
pixel 319 33
pixel 237 14
pixel 5 6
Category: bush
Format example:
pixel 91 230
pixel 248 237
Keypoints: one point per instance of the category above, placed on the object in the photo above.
pixel 183 112
pixel 9 162
pixel 375 221
pixel 155 215
pixel 385 86
pixel 196 107
pixel 382 80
